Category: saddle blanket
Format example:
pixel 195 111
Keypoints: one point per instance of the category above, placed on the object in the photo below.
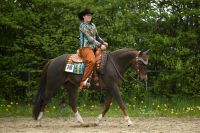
pixel 77 68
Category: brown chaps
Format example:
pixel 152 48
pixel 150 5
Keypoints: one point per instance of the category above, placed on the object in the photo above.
pixel 87 54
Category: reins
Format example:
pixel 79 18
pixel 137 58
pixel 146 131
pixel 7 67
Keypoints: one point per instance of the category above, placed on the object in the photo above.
pixel 116 68
pixel 137 59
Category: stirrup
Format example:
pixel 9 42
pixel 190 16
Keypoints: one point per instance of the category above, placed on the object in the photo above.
pixel 85 82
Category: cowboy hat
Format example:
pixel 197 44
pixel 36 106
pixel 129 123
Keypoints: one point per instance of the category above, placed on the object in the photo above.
pixel 84 12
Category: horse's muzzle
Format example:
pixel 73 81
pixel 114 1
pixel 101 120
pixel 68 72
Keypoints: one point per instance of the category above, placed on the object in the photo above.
pixel 143 77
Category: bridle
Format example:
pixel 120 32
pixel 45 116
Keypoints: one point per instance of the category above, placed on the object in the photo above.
pixel 137 64
pixel 140 59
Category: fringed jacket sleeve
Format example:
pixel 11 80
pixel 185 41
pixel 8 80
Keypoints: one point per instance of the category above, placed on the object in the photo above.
pixel 91 34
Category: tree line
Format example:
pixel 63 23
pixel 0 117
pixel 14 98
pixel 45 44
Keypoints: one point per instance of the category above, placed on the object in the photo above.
pixel 34 31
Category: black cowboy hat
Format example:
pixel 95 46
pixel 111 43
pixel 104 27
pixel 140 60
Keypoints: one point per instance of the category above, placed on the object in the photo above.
pixel 84 12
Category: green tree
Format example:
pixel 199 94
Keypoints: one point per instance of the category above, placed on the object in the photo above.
pixel 34 31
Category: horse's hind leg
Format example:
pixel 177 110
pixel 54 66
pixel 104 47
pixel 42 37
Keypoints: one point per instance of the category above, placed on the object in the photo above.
pixel 72 94
pixel 51 88
pixel 107 102
pixel 47 98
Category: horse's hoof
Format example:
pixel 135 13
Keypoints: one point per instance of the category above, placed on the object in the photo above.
pixel 129 125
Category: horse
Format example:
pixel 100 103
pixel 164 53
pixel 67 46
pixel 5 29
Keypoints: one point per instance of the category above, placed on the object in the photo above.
pixel 53 77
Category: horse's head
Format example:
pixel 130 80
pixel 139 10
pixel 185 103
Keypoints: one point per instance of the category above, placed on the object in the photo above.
pixel 140 63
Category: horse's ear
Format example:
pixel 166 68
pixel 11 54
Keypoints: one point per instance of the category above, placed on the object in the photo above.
pixel 145 52
pixel 139 53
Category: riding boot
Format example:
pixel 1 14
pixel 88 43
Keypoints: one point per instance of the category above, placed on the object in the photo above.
pixel 85 83
pixel 88 56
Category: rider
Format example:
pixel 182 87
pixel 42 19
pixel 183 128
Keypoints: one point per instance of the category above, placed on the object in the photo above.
pixel 89 41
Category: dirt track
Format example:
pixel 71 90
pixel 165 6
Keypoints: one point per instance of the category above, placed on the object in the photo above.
pixel 109 125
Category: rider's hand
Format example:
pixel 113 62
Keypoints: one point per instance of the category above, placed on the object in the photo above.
pixel 106 44
pixel 103 47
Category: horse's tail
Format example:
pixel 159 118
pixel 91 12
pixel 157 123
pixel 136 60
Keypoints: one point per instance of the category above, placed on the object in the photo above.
pixel 40 97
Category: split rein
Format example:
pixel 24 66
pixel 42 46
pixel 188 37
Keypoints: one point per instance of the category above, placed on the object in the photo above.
pixel 116 67
pixel 137 60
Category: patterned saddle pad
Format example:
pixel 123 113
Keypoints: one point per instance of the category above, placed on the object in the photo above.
pixel 77 66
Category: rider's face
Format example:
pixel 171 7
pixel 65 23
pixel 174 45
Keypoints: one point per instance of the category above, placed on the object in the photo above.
pixel 87 17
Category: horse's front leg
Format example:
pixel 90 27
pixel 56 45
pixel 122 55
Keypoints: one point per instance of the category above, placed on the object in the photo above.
pixel 72 93
pixel 107 102
pixel 73 104
pixel 121 104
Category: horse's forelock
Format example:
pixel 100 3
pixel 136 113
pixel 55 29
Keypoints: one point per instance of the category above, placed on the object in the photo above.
pixel 143 57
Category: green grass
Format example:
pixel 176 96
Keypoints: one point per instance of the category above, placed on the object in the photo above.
pixel 177 107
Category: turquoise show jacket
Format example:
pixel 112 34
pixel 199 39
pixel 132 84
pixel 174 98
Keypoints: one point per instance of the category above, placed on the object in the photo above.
pixel 89 36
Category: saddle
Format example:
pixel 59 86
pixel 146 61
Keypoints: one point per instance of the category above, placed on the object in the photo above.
pixel 75 64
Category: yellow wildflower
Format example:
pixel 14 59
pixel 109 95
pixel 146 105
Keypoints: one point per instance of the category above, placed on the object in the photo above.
pixel 172 111
pixel 8 106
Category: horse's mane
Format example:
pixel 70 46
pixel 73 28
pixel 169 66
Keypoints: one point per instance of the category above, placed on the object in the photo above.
pixel 123 50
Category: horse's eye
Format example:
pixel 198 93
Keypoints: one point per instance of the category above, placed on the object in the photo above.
pixel 140 63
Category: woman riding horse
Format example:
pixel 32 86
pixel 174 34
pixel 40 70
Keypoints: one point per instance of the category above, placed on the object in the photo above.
pixel 53 76
pixel 89 41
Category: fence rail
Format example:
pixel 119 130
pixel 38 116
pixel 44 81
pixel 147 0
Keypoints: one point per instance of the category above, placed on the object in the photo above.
pixel 33 75
pixel 28 81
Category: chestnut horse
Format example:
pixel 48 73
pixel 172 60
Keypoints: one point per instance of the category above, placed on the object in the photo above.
pixel 53 76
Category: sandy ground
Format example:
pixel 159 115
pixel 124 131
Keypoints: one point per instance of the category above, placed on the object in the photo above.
pixel 108 125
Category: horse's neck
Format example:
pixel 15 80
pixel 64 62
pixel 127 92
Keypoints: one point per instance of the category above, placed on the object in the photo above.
pixel 123 59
